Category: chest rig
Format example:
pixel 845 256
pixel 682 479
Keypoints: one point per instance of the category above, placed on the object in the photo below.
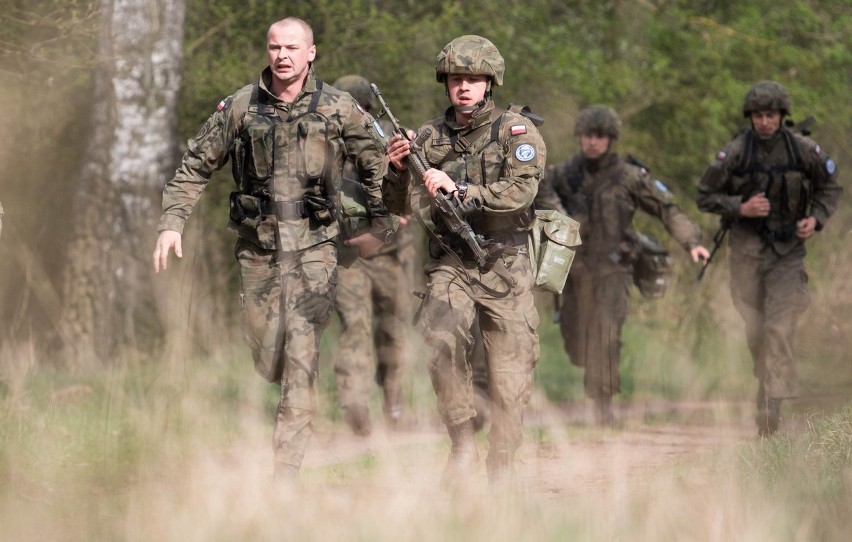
pixel 289 167
pixel 784 184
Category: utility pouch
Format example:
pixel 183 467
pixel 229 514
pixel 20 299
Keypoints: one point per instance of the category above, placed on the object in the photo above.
pixel 552 243
pixel 652 270
pixel 250 221
pixel 354 220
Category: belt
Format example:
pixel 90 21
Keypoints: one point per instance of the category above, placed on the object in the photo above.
pixel 288 210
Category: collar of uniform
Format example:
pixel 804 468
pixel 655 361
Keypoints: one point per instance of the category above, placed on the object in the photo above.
pixel 605 160
pixel 266 81
pixel 480 117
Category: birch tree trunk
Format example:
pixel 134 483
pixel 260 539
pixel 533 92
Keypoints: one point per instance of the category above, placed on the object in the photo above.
pixel 108 294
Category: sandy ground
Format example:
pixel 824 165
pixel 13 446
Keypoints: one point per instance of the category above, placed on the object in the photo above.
pixel 564 454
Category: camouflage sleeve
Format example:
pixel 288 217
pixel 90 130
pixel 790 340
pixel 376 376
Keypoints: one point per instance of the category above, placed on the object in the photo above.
pixel 365 147
pixel 822 172
pixel 712 194
pixel 654 197
pixel 523 160
pixel 546 197
pixel 206 152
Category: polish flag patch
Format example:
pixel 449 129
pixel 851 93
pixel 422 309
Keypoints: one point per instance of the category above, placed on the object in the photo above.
pixel 518 129
pixel 221 105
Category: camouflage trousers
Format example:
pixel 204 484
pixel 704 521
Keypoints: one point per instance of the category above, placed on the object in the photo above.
pixel 592 314
pixel 770 293
pixel 374 304
pixel 287 300
pixel 509 336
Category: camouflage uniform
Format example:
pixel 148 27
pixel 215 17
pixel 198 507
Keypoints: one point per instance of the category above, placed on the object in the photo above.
pixel 374 305
pixel 503 173
pixel 287 160
pixel 768 278
pixel 603 195
pixel 1 218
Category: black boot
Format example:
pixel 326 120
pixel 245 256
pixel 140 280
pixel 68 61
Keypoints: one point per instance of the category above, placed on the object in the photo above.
pixel 464 457
pixel 357 416
pixel 769 417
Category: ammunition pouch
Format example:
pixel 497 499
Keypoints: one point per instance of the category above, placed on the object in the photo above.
pixel 652 269
pixel 552 243
pixel 320 208
pixel 251 220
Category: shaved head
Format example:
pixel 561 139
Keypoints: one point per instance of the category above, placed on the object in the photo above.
pixel 293 21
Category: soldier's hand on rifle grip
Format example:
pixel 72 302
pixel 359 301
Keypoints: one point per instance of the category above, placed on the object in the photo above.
pixel 436 180
pixel 398 149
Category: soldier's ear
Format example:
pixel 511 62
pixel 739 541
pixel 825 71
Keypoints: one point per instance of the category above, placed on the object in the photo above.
pixel 312 53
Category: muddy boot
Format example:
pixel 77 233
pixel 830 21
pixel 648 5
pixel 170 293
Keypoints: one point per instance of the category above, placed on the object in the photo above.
pixel 357 416
pixel 464 457
pixel 482 406
pixel 769 418
pixel 501 470
pixel 603 412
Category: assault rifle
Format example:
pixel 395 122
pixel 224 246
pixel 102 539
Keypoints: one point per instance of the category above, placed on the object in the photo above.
pixel 724 226
pixel 450 208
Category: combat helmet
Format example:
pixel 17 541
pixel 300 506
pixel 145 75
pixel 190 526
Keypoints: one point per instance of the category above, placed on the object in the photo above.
pixel 598 119
pixel 767 95
pixel 359 88
pixel 473 55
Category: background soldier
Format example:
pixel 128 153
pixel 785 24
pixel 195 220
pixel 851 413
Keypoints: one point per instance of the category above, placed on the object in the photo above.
pixel 603 191
pixel 776 188
pixel 287 137
pixel 479 155
pixel 375 287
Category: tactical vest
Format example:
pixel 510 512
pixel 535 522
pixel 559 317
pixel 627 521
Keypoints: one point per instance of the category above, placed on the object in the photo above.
pixel 785 185
pixel 310 156
pixel 482 168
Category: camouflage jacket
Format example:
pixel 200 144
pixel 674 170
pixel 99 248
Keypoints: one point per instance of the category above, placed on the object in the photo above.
pixel 798 178
pixel 502 170
pixel 604 197
pixel 284 152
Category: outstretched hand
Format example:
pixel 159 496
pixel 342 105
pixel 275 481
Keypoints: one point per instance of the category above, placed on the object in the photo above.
pixel 167 240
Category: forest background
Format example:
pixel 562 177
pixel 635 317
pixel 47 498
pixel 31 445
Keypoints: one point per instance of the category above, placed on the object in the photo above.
pixel 82 165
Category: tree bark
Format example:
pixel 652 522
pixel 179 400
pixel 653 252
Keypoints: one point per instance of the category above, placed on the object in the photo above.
pixel 109 301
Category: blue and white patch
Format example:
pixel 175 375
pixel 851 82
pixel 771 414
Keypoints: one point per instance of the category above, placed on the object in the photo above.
pixel 379 129
pixel 830 166
pixel 660 186
pixel 525 152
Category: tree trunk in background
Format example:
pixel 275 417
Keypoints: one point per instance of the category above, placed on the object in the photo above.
pixel 108 294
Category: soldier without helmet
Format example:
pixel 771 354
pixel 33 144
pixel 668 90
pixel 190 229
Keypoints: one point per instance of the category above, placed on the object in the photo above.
pixel 286 137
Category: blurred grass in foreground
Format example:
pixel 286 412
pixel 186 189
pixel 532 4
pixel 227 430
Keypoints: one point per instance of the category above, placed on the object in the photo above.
pixel 180 451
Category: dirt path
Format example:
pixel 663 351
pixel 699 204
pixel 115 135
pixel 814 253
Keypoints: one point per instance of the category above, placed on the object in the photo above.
pixel 565 457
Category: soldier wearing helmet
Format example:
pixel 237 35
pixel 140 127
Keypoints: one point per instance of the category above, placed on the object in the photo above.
pixel 603 191
pixel 373 304
pixel 775 187
pixel 491 161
